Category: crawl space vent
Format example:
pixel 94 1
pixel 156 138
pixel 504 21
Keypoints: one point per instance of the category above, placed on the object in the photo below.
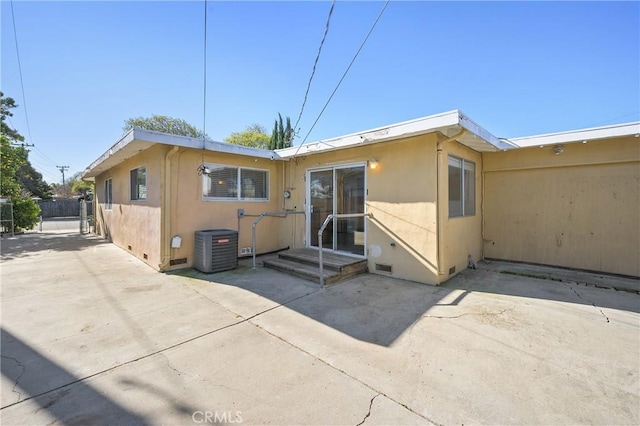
pixel 181 261
pixel 216 250
pixel 383 268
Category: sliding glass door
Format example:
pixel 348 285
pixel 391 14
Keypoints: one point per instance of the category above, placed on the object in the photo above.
pixel 337 190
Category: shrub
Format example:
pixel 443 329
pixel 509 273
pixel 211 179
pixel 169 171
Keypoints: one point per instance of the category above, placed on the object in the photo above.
pixel 26 212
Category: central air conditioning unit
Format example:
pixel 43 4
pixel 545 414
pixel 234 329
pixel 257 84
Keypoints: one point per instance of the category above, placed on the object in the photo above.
pixel 216 250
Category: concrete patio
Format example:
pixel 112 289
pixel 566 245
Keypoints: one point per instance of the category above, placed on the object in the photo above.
pixel 92 335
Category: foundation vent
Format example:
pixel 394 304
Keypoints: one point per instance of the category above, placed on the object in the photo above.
pixel 383 268
pixel 181 261
pixel 452 270
pixel 216 250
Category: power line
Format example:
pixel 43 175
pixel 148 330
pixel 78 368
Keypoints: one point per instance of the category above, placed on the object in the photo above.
pixel 35 148
pixel 43 170
pixel 613 119
pixel 204 95
pixel 44 157
pixel 315 64
pixel 344 75
pixel 24 99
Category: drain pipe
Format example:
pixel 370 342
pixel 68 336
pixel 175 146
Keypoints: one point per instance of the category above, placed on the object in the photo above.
pixel 165 251
pixel 441 211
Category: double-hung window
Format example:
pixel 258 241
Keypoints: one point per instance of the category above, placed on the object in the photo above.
pixel 462 187
pixel 139 183
pixel 220 182
pixel 108 194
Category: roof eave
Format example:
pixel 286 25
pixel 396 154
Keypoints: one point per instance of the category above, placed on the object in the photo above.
pixel 448 123
pixel 581 135
pixel 137 140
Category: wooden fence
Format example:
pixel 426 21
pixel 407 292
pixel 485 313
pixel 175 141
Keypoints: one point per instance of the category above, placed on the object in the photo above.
pixel 63 208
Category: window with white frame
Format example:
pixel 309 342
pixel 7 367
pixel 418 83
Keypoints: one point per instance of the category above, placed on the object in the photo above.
pixel 139 183
pixel 108 194
pixel 221 182
pixel 462 187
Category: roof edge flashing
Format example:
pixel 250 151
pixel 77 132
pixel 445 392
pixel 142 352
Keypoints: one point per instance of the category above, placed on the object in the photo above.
pixel 476 129
pixel 401 130
pixel 579 135
pixel 152 137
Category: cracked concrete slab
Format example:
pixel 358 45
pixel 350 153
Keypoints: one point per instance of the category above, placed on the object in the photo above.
pixel 98 337
pixel 481 355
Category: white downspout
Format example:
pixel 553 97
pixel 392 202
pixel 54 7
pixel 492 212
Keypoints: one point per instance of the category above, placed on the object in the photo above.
pixel 442 191
pixel 165 251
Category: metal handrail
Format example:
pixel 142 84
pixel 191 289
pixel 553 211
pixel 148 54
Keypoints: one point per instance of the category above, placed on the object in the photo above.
pixel 321 231
pixel 282 214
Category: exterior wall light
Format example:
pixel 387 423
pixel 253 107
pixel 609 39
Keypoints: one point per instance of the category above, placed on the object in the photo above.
pixel 558 149
pixel 373 163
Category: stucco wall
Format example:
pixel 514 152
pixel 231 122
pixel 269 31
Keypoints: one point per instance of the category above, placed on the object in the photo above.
pixel 462 236
pixel 401 196
pixel 134 224
pixel 579 209
pixel 190 213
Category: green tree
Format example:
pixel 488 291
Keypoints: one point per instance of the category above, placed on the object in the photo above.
pixel 6 105
pixel 13 159
pixel 10 163
pixel 32 181
pixel 282 135
pixel 73 186
pixel 162 123
pixel 26 212
pixel 254 136
pixel 79 186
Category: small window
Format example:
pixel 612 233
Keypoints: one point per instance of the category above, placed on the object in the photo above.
pixel 234 183
pixel 253 184
pixel 139 183
pixel 462 187
pixel 108 194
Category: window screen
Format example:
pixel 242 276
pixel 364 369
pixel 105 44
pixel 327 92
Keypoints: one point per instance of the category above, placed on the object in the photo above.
pixel 221 182
pixel 253 184
pixel 455 187
pixel 108 194
pixel 139 183
pixel 235 183
pixel 462 187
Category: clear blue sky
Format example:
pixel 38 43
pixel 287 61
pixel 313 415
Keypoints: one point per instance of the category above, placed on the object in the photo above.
pixel 516 68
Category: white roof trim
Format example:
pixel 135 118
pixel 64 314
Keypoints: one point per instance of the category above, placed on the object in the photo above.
pixel 198 143
pixel 136 140
pixel 448 123
pixel 581 135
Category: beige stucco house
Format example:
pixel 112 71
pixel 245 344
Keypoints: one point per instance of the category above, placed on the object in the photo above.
pixel 439 191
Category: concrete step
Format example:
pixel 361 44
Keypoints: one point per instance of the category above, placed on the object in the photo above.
pixel 344 264
pixel 303 270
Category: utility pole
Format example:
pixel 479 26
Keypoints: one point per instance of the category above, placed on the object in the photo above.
pixel 62 169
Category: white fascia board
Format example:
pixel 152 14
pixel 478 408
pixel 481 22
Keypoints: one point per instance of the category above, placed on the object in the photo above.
pixel 379 134
pixel 147 138
pixel 124 141
pixel 484 134
pixel 198 143
pixel 612 131
pixel 448 123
